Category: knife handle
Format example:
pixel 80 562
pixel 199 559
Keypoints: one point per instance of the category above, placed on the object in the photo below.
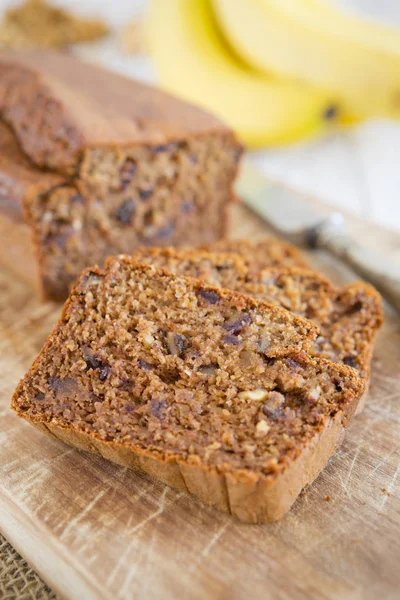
pixel 377 269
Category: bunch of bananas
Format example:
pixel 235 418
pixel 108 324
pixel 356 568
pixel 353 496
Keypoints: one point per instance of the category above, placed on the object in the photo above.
pixel 276 70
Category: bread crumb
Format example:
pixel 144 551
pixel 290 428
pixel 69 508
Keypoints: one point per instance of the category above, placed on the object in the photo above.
pixel 132 39
pixel 38 24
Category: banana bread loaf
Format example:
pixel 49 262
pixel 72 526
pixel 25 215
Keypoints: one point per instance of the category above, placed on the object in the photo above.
pixel 131 165
pixel 208 390
pixel 348 318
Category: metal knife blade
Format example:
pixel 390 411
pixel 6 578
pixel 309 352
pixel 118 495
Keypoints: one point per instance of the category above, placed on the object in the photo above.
pixel 281 207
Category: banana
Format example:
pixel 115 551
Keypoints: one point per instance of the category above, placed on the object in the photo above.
pixel 350 25
pixel 290 38
pixel 194 62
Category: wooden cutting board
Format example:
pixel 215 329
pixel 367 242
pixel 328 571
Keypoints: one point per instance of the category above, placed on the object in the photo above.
pixel 94 530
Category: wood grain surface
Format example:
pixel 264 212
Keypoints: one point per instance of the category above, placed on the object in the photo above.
pixel 94 530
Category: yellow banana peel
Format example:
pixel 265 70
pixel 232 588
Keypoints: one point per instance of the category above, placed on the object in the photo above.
pixel 293 39
pixel 195 63
pixel 352 26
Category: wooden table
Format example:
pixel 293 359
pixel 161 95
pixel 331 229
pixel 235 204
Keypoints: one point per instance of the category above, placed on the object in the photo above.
pixel 94 530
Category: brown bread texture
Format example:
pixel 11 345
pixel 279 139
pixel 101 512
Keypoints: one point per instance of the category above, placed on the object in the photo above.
pixel 208 390
pixel 225 270
pixel 348 318
pixel 269 252
pixel 101 164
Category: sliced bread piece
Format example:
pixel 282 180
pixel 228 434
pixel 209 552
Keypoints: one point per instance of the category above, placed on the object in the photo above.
pixel 269 252
pixel 208 390
pixel 348 318
pixel 225 270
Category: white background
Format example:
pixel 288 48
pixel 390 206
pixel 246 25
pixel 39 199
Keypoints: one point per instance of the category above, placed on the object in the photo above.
pixel 357 169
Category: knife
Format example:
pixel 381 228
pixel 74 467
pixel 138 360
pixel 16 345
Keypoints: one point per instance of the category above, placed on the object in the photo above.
pixel 301 223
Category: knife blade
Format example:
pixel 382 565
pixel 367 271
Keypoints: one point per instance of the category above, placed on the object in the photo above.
pixel 284 209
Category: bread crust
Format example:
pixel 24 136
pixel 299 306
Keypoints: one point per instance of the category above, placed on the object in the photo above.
pixel 90 107
pixel 17 252
pixel 251 499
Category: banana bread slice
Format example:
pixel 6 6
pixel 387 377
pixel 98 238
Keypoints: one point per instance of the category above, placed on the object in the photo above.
pixel 132 165
pixel 208 390
pixel 348 318
pixel 269 252
pixel 225 270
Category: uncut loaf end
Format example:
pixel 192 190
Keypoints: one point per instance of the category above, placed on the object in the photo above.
pixel 97 164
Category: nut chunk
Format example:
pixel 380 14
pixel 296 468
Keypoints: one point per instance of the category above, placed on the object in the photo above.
pixel 150 376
